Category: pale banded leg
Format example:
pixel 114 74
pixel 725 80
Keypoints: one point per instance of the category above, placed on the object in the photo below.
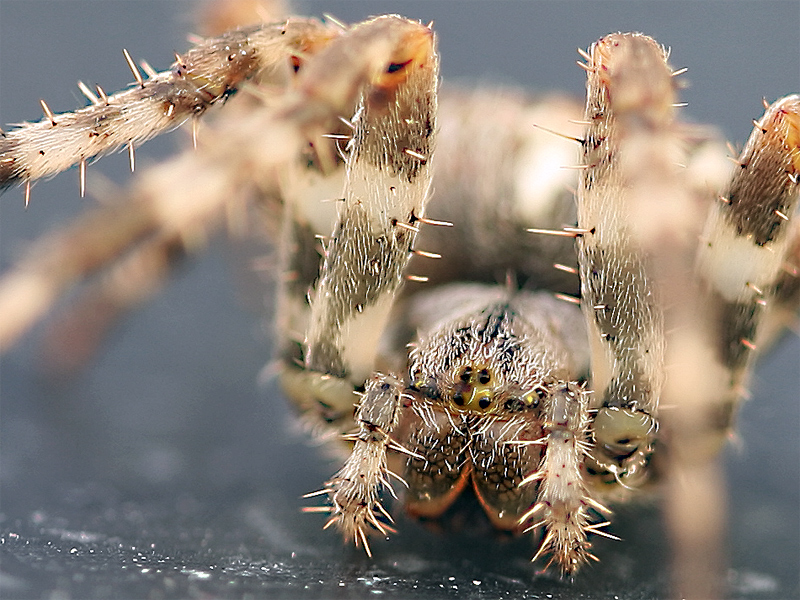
pixel 713 329
pixel 629 98
pixel 206 74
pixel 747 240
pixel 640 165
pixel 634 186
pixel 187 207
pixel 639 169
pixel 388 184
pixel 308 201
pixel 784 310
pixel 160 102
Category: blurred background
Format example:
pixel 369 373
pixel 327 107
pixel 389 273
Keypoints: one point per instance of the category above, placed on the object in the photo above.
pixel 168 468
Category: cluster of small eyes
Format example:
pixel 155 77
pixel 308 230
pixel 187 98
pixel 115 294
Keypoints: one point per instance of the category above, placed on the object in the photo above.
pixel 472 391
pixel 467 378
pixel 530 401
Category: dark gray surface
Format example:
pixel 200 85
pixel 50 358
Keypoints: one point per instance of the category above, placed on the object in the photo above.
pixel 165 471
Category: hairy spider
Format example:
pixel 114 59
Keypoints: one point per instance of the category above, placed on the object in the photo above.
pixel 457 398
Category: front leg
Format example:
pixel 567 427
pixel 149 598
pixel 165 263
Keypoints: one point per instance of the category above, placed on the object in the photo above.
pixel 388 166
pixel 630 93
pixel 205 75
pixel 388 181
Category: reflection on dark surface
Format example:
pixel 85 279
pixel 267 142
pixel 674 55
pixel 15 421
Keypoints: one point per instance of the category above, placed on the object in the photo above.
pixel 165 471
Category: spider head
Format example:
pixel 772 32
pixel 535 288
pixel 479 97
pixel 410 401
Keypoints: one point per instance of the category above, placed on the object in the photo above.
pixel 491 364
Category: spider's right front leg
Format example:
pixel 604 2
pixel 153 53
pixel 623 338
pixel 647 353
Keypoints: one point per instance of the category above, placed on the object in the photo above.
pixel 388 166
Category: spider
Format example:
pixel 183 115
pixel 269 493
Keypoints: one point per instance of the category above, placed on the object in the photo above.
pixel 472 376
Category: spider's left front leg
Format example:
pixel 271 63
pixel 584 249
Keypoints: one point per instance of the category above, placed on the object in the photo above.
pixel 630 93
pixel 639 225
pixel 388 178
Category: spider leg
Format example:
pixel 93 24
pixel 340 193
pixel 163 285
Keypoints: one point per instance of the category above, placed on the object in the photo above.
pixel 744 259
pixel 641 223
pixel 629 110
pixel 203 76
pixel 326 87
pixel 210 72
pixel 785 305
pixel 388 167
pixel 638 223
pixel 739 272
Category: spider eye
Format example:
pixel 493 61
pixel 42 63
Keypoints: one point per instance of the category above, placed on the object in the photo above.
pixel 472 390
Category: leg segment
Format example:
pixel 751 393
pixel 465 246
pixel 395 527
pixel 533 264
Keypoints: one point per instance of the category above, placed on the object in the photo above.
pixel 222 169
pixel 205 75
pixel 747 240
pixel 629 98
pixel 388 185
pixel 638 222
